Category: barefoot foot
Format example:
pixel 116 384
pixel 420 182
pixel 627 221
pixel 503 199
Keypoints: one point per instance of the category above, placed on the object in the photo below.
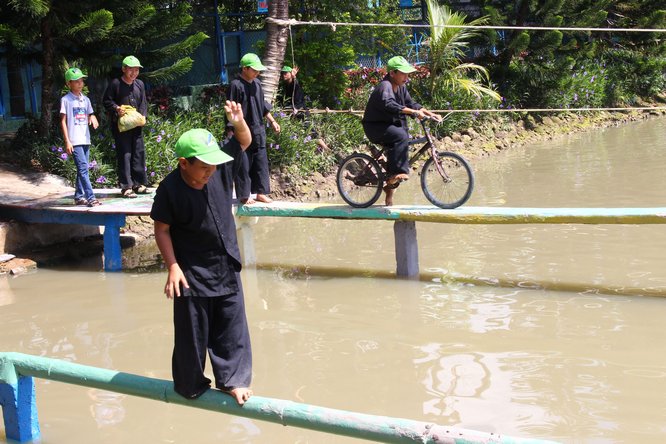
pixel 263 198
pixel 389 195
pixel 240 394
pixel 397 178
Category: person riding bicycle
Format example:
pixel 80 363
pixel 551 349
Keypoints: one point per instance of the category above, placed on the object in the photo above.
pixel 385 121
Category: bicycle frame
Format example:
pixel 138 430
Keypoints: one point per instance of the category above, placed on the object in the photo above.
pixel 363 170
pixel 428 145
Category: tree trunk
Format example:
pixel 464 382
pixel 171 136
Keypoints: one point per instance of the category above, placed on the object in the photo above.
pixel 47 77
pixel 276 44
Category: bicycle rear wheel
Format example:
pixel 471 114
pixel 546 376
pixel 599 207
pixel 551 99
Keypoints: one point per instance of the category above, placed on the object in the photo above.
pixel 447 182
pixel 360 180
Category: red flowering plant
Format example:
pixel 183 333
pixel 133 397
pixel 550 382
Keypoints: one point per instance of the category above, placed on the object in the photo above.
pixel 362 80
pixel 211 95
pixel 160 97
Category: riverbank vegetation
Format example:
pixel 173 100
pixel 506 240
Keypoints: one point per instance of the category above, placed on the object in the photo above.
pixel 463 69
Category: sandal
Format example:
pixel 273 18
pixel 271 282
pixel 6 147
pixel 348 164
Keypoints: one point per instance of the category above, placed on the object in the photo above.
pixel 140 189
pixel 94 202
pixel 128 193
pixel 80 201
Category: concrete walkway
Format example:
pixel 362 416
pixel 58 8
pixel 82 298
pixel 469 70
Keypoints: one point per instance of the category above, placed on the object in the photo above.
pixel 18 185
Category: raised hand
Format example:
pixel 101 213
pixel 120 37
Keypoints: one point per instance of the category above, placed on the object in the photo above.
pixel 234 111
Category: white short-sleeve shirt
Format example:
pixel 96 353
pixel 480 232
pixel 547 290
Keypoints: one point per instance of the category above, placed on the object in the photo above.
pixel 77 109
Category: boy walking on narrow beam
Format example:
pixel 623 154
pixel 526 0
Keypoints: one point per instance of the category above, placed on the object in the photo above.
pixel 196 234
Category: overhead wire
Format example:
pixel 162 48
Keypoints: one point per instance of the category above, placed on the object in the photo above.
pixel 334 25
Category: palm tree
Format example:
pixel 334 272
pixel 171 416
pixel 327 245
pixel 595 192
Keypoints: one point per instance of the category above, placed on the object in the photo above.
pixel 276 46
pixel 448 46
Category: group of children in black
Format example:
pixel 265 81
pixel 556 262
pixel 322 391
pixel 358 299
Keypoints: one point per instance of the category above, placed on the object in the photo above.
pixel 192 208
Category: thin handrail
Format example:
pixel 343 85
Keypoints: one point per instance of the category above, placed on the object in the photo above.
pixel 14 366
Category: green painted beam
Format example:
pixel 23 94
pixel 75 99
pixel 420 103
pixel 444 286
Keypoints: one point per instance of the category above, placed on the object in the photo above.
pixel 288 413
pixel 461 215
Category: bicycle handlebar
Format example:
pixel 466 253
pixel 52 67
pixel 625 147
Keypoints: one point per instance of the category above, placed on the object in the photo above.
pixel 425 118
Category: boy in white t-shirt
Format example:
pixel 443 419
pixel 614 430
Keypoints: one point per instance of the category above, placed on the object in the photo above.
pixel 76 113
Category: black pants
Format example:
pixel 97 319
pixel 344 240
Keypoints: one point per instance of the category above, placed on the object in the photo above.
pixel 216 325
pixel 131 157
pixel 253 174
pixel 396 141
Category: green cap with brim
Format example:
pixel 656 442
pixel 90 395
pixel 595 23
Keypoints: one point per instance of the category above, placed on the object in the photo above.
pixel 201 144
pixel 132 62
pixel 399 63
pixel 286 69
pixel 74 74
pixel 252 61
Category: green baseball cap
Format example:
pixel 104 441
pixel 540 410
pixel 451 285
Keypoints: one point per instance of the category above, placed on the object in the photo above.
pixel 74 74
pixel 251 60
pixel 286 69
pixel 132 62
pixel 200 143
pixel 399 63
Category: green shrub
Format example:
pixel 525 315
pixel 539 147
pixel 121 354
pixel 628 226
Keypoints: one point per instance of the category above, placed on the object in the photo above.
pixel 632 74
pixel 296 149
pixel 559 83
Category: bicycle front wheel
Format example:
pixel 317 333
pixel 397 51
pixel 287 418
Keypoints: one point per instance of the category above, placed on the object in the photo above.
pixel 447 181
pixel 360 180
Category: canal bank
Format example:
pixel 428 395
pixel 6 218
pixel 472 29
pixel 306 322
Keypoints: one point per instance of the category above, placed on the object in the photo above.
pixel 52 244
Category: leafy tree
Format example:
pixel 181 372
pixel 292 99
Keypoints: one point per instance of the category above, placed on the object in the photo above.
pixel 640 14
pixel 96 35
pixel 539 48
pixel 324 53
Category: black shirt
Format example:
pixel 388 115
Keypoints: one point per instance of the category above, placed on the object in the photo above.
pixel 202 228
pixel 385 106
pixel 293 93
pixel 120 93
pixel 251 97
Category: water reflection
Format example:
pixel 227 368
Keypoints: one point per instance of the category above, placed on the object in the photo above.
pixel 509 331
pixel 106 407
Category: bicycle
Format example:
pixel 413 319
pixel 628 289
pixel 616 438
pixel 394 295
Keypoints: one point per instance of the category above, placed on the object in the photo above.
pixel 447 180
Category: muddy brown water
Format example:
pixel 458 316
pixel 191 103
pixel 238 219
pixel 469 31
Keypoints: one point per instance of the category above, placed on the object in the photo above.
pixel 555 356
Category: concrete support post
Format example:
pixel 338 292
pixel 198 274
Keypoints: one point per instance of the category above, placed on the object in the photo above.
pixel 248 253
pixel 406 248
pixel 113 254
pixel 19 410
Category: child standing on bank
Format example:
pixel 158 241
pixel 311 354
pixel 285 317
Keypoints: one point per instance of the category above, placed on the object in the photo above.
pixel 76 113
pixel 196 235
